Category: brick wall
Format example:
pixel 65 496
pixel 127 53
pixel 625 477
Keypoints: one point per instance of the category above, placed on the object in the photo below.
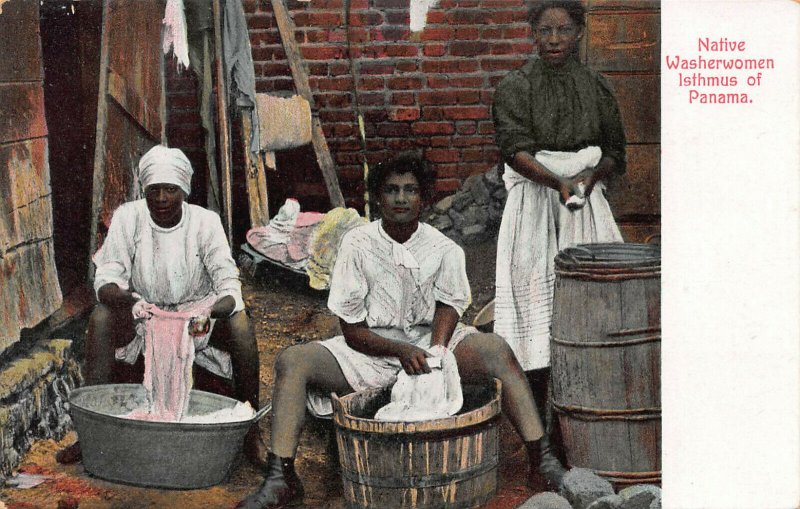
pixel 432 93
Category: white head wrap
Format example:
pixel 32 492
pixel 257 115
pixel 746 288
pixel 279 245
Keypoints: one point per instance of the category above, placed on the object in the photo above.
pixel 162 165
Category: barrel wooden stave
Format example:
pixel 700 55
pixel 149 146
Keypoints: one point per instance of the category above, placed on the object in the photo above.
pixel 443 463
pixel 605 354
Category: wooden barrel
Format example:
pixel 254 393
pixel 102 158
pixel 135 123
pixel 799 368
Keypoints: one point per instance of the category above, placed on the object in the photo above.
pixel 440 463
pixel 605 350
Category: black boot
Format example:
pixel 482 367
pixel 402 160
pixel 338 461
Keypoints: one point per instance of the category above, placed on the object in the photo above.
pixel 281 486
pixel 546 472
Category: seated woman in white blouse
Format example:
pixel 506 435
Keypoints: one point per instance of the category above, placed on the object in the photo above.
pixel 167 252
pixel 398 287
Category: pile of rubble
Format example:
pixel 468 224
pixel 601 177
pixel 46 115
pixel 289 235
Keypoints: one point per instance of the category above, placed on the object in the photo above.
pixel 583 489
pixel 473 214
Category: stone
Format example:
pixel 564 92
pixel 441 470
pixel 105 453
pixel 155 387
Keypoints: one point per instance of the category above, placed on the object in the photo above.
pixel 442 222
pixel 443 205
pixel 472 215
pixel 493 178
pixel 461 200
pixel 581 487
pixel 480 193
pixel 656 503
pixel 639 496
pixel 500 195
pixel 607 502
pixel 471 181
pixel 546 500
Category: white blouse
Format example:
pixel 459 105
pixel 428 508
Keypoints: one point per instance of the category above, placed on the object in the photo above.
pixel 396 286
pixel 168 266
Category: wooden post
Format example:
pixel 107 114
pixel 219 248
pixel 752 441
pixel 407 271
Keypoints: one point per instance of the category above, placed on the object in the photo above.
pixel 224 128
pixel 256 179
pixel 300 75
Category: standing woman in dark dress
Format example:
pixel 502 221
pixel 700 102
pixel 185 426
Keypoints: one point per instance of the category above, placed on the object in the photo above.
pixel 559 130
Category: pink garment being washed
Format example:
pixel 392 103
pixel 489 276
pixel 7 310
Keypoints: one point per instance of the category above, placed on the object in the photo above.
pixel 168 359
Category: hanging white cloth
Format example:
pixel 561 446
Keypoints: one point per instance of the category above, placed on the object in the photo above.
pixel 175 32
pixel 534 228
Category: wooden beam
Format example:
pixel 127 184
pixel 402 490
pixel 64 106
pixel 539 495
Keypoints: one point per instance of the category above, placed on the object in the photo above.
pixel 286 28
pixel 257 197
pixel 98 179
pixel 224 129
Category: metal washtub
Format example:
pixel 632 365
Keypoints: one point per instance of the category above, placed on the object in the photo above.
pixel 154 454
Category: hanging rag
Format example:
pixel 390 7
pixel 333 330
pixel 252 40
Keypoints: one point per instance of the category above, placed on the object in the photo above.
pixel 240 77
pixel 427 396
pixel 418 13
pixel 286 123
pixel 213 359
pixel 535 227
pixel 175 32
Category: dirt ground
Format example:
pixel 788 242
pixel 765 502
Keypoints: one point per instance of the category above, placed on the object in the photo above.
pixel 284 311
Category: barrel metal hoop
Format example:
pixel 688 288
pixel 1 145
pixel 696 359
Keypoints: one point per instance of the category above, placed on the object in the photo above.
pixel 605 414
pixel 421 481
pixel 653 477
pixel 419 435
pixel 599 276
pixel 606 344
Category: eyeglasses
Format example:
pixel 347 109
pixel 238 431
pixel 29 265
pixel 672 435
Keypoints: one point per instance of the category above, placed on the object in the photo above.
pixel 562 31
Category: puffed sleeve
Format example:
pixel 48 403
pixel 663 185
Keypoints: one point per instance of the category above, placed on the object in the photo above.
pixel 347 296
pixel 451 285
pixel 511 114
pixel 114 259
pixel 613 133
pixel 219 262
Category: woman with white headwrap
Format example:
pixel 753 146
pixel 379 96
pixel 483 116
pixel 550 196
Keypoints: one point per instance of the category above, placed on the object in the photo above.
pixel 164 251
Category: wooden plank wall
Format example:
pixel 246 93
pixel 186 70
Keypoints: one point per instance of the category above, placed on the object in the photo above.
pixel 623 42
pixel 29 290
pixel 130 122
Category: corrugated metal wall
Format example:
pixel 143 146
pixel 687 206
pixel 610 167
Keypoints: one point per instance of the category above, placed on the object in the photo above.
pixel 29 290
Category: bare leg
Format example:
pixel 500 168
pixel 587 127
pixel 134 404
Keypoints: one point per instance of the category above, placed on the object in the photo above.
pixel 235 335
pixel 480 358
pixel 297 369
pixel 108 329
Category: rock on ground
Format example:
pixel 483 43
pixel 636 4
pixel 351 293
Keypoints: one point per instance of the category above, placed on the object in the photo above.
pixel 607 502
pixel 546 500
pixel 581 487
pixel 640 496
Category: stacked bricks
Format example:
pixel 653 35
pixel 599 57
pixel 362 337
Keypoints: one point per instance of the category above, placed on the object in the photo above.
pixel 430 91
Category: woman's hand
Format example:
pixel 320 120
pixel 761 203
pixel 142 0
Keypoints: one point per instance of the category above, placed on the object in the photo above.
pixel 413 359
pixel 566 188
pixel 589 178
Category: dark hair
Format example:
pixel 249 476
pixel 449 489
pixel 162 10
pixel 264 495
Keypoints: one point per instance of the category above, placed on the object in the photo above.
pixel 574 8
pixel 408 162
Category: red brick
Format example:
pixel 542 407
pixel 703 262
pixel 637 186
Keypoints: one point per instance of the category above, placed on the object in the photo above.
pixel 393 129
pixel 371 83
pixel 375 144
pixel 260 21
pixel 333 100
pixel 329 4
pixel 322 52
pixel 337 116
pixel 426 98
pixel 518 32
pixel 436 17
pixel 466 127
pixel 405 83
pixel 317 19
pixel 264 38
pixel 392 33
pixel 449 66
pixel 375 115
pixel 404 114
pixel 467 34
pixel 275 69
pixel 396 18
pixel 324 84
pixel 372 51
pixel 401 144
pixel 487 97
pixel 390 4
pixel 501 48
pixel 434 50
pixel 439 141
pixel 502 3
pixel 376 68
pixel 405 50
pixel 466 112
pixel 486 127
pixel 403 99
pixel 268 53
pixel 366 18
pixel 372 99
pixel 339 68
pixel 468 48
pixel 181 118
pixel 442 156
pixel 316 36
pixel 463 82
pixel 467 17
pixel 274 84
pixel 357 35
pixel 407 66
pixel 432 128
pixel 433 113
pixel 317 68
pixel 502 64
pixel 343 158
pixel 437 34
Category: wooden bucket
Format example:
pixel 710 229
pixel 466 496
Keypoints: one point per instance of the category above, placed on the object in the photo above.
pixel 605 350
pixel 440 463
